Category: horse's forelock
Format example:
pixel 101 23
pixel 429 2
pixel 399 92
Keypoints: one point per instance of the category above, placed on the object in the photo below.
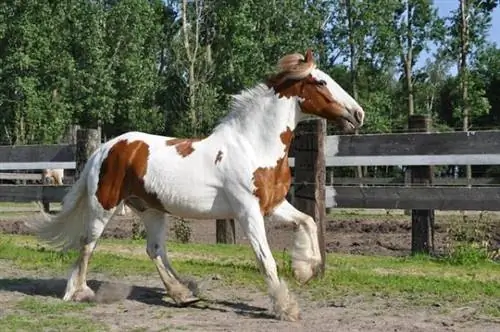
pixel 294 66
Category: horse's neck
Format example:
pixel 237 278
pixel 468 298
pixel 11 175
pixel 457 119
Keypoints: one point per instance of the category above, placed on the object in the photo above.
pixel 261 123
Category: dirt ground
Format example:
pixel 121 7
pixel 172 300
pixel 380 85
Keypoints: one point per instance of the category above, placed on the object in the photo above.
pixel 360 234
pixel 136 303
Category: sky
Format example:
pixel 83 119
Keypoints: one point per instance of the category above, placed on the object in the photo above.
pixel 444 9
pixel 446 6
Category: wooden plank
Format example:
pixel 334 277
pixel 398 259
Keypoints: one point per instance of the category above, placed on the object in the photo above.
pixel 32 193
pixel 408 144
pixel 37 165
pixel 473 159
pixel 346 181
pixel 20 176
pixel 330 197
pixel 414 160
pixel 436 198
pixel 37 153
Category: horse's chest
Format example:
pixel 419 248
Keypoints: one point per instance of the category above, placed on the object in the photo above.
pixel 272 184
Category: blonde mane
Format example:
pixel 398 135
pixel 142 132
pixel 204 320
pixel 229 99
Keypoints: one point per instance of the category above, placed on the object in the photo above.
pixel 290 67
pixel 294 66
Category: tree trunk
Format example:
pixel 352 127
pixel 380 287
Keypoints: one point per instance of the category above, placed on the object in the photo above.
pixel 353 67
pixel 191 55
pixel 464 50
pixel 192 101
pixel 408 61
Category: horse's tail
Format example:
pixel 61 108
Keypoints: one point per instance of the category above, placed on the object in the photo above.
pixel 65 229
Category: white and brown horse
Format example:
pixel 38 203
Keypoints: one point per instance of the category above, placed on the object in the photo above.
pixel 240 171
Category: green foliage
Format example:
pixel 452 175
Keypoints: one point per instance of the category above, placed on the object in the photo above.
pixel 182 230
pixel 124 65
pixel 471 241
pixel 470 254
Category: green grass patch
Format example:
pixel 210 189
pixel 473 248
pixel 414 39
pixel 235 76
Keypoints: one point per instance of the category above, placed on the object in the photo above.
pixel 56 322
pixel 32 314
pixel 418 279
pixel 24 252
pixel 50 306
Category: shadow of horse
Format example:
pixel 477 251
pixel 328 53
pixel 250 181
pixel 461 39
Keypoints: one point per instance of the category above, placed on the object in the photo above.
pixel 108 292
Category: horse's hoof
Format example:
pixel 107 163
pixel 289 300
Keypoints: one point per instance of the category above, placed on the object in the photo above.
pixel 304 271
pixel 188 301
pixel 84 295
pixel 289 317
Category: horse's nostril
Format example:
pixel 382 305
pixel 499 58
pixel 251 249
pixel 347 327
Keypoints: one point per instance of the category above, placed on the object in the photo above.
pixel 359 115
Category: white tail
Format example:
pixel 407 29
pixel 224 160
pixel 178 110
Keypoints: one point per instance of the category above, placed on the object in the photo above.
pixel 65 229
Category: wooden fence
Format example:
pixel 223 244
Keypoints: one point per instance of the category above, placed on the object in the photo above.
pixel 312 153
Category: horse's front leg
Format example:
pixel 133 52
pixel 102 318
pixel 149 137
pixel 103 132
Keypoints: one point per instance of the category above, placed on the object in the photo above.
pixel 306 256
pixel 248 213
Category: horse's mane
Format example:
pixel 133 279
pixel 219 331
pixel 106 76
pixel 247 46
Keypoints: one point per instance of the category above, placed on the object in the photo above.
pixel 290 67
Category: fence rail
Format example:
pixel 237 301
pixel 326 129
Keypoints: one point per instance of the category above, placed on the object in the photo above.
pixel 310 155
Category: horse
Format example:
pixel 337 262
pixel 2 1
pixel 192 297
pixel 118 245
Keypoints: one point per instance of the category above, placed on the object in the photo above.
pixel 239 171
pixel 53 176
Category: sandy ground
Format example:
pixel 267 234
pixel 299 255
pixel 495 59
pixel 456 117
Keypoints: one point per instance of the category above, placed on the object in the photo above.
pixel 136 302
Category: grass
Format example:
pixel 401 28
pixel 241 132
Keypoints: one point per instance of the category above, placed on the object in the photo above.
pixel 19 209
pixel 31 314
pixel 419 280
pixel 56 322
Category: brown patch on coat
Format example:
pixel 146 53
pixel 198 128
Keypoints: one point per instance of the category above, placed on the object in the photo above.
pixel 184 146
pixel 272 183
pixel 218 158
pixel 122 175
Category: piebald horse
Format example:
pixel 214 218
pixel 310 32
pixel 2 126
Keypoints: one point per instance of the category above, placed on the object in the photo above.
pixel 240 171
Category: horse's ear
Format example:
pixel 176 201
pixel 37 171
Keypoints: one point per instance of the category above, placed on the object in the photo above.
pixel 309 55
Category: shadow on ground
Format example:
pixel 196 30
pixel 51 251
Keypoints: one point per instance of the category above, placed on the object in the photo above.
pixel 115 292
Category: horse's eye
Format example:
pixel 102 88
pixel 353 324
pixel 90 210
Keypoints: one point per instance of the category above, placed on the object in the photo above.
pixel 322 83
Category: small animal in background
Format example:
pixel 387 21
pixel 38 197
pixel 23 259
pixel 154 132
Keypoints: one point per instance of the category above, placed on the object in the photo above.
pixel 53 176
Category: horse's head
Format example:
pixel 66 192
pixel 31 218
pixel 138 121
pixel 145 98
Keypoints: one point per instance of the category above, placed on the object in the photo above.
pixel 318 94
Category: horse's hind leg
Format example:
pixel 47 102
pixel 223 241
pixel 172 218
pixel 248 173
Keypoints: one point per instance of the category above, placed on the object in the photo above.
pixel 154 222
pixel 76 287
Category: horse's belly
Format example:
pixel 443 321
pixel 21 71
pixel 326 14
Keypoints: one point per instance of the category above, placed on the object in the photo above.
pixel 198 203
pixel 187 187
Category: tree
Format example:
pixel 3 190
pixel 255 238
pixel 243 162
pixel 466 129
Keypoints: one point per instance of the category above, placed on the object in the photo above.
pixel 91 88
pixel 416 23
pixel 468 26
pixel 486 73
pixel 133 38
pixel 35 66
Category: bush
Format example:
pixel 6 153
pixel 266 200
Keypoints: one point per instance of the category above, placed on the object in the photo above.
pixel 182 230
pixel 471 241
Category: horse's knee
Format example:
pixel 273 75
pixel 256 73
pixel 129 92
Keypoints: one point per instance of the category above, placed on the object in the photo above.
pixel 152 249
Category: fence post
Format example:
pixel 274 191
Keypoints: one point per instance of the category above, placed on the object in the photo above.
pixel 225 231
pixel 87 141
pixel 310 175
pixel 422 221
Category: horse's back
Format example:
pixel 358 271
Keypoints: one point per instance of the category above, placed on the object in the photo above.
pixel 181 176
